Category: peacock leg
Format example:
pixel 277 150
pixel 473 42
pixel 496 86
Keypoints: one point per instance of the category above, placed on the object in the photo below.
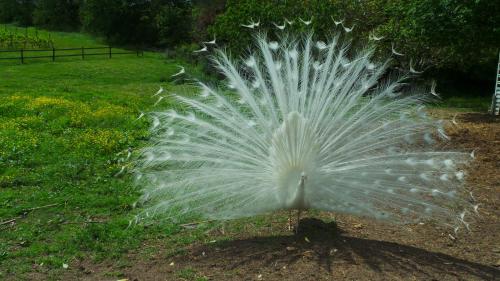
pixel 289 220
pixel 298 221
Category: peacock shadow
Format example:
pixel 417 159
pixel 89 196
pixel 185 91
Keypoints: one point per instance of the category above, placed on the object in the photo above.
pixel 328 246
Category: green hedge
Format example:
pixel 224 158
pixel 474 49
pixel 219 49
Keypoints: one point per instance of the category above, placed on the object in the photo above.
pixel 440 34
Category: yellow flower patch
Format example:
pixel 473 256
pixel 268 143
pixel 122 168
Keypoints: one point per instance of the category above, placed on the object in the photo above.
pixel 110 111
pixel 15 98
pixel 42 102
pixel 107 140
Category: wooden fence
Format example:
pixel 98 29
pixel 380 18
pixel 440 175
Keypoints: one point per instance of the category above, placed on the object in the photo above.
pixel 53 54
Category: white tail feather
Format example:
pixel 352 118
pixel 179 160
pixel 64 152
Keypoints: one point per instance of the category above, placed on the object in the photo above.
pixel 311 130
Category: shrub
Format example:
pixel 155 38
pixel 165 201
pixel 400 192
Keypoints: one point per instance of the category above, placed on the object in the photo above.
pixel 174 22
pixel 445 35
pixel 364 15
pixel 451 34
pixel 57 14
pixel 139 22
pixel 123 21
pixel 19 11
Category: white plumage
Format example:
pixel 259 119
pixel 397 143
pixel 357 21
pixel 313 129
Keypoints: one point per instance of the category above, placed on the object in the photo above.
pixel 303 127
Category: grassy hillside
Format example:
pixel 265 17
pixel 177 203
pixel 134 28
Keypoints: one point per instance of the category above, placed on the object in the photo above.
pixel 37 46
pixel 65 132
pixel 58 39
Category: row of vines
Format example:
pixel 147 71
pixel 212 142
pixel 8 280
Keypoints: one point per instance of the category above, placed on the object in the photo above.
pixel 24 39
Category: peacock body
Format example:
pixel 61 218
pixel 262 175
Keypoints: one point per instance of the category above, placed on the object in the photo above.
pixel 303 124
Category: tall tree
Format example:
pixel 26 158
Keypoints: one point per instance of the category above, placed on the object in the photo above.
pixel 57 14
pixel 17 11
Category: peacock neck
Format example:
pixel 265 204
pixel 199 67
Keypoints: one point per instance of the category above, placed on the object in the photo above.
pixel 299 201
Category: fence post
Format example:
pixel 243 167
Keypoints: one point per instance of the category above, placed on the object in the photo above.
pixel 83 53
pixel 22 55
pixel 53 54
pixel 109 51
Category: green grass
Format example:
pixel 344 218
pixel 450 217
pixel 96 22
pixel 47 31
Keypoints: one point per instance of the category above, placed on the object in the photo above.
pixel 65 129
pixel 59 39
pixel 481 104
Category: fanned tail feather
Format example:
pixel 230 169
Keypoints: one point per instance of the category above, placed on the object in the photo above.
pixel 293 108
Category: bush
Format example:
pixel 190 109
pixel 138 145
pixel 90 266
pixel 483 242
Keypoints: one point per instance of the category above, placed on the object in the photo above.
pixel 174 22
pixel 204 14
pixel 363 14
pixel 444 35
pixel 447 34
pixel 139 22
pixel 123 21
pixel 19 11
pixel 57 14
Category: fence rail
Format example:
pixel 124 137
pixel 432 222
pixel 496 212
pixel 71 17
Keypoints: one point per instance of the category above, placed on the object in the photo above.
pixel 59 53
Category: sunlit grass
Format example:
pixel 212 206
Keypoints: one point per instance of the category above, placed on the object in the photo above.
pixel 59 39
pixel 65 132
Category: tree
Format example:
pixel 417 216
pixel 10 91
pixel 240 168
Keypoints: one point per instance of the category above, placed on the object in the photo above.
pixel 57 14
pixel 448 34
pixel 174 22
pixel 149 22
pixel 17 11
pixel 121 21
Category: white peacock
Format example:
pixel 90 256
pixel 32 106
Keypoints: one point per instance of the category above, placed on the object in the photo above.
pixel 304 125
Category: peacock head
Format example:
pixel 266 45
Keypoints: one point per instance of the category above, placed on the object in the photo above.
pixel 303 178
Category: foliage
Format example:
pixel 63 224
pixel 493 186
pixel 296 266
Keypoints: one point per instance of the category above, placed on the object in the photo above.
pixel 57 14
pixel 441 34
pixel 19 11
pixel 228 29
pixel 14 38
pixel 449 34
pixel 157 22
pixel 174 23
pixel 119 21
pixel 204 14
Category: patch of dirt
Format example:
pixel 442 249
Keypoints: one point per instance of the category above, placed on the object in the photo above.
pixel 352 248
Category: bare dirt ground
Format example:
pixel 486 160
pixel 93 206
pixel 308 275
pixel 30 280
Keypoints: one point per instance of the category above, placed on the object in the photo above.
pixel 351 248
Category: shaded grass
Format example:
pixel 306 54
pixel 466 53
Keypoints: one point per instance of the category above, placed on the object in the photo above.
pixel 480 104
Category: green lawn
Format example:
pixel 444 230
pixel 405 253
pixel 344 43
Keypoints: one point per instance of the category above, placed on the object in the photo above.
pixel 65 129
pixel 481 104
pixel 59 39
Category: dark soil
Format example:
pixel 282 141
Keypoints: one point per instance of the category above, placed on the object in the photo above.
pixel 352 248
